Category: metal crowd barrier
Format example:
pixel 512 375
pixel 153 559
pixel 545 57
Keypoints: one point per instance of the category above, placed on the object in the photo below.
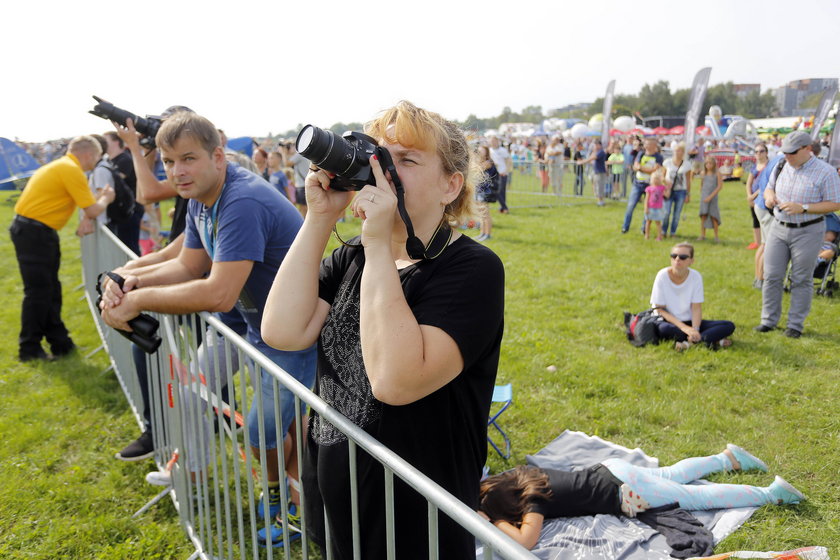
pixel 203 444
pixel 563 184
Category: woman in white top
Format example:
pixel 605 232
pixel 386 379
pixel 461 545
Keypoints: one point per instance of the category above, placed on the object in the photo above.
pixel 678 177
pixel 677 296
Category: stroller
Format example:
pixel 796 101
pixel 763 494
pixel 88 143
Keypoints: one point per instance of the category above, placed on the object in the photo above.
pixel 825 270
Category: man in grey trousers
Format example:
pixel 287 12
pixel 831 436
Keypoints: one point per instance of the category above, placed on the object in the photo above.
pixel 801 194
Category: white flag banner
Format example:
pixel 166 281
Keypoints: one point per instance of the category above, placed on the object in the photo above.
pixel 695 104
pixel 822 111
pixel 607 122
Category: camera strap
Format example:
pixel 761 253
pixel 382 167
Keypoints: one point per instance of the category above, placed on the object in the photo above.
pixel 414 245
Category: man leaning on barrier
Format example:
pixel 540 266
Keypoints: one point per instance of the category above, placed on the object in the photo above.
pixel 238 231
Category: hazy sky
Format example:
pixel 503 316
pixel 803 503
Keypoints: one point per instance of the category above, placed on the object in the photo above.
pixel 258 67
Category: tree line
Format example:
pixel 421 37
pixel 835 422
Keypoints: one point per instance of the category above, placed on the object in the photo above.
pixel 652 100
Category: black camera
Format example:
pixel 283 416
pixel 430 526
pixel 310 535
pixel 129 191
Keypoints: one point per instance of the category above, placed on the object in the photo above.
pixel 144 327
pixel 147 126
pixel 347 156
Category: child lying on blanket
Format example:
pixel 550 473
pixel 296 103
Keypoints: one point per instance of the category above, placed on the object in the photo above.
pixel 517 501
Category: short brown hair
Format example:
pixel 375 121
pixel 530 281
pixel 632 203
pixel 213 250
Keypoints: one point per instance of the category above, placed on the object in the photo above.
pixel 185 123
pixel 414 127
pixel 688 246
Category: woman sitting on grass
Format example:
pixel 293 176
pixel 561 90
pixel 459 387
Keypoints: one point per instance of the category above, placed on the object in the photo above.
pixel 517 501
pixel 677 296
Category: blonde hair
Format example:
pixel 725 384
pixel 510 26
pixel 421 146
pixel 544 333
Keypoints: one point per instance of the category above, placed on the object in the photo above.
pixel 657 177
pixel 706 160
pixel 413 127
pixel 85 144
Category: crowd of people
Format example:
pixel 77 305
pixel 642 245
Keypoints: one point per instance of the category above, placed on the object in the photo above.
pixel 418 305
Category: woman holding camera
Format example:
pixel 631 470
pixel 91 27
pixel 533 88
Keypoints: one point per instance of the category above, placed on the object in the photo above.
pixel 408 349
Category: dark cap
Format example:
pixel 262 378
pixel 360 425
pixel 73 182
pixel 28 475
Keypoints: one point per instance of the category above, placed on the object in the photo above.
pixel 795 140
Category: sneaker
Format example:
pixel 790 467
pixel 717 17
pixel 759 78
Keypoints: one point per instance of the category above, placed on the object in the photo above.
pixel 159 478
pixel 763 328
pixel 276 529
pixel 682 346
pixel 481 237
pixel 139 449
pixel 784 492
pixel 792 333
pixel 274 500
pixel 748 461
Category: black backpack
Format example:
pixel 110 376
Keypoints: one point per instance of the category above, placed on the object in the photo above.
pixel 122 208
pixel 641 327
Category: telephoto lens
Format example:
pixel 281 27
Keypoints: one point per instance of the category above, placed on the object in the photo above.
pixel 345 156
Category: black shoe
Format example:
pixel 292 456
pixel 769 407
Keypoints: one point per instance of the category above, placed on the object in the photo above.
pixel 763 328
pixel 139 449
pixel 29 357
pixel 792 333
pixel 60 352
pixel 623 230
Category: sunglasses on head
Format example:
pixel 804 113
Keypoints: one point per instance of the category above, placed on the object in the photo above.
pixel 682 257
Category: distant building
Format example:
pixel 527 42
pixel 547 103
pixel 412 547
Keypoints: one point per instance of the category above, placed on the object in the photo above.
pixel 571 108
pixel 742 90
pixel 790 96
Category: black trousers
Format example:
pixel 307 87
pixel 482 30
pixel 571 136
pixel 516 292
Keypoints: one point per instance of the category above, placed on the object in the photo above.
pixel 39 256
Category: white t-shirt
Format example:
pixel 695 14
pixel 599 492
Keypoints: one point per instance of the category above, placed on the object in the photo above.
pixel 500 156
pixel 671 172
pixel 677 298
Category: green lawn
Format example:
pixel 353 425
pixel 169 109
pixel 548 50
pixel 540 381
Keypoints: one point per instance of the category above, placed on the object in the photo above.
pixel 570 274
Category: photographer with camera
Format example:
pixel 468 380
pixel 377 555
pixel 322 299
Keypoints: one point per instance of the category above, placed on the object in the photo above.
pixel 238 230
pixel 44 207
pixel 408 326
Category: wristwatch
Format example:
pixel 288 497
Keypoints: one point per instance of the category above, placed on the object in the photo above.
pixel 805 208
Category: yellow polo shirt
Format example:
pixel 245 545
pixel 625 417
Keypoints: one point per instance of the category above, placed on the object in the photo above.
pixel 54 191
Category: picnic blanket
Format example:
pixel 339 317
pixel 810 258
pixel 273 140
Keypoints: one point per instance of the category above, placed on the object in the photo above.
pixel 610 537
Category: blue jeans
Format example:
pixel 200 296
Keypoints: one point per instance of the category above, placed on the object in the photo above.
pixel 301 366
pixel 668 485
pixel 675 201
pixel 632 201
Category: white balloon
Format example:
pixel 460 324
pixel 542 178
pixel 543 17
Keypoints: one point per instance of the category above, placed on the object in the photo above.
pixel 715 112
pixel 580 130
pixel 596 122
pixel 624 123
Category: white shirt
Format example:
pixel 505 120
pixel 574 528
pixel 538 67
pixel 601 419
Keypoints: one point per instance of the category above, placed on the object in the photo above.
pixel 677 298
pixel 500 156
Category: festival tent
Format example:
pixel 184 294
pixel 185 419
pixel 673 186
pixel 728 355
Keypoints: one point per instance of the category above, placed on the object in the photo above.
pixel 242 144
pixel 15 163
pixel 677 130
pixel 661 130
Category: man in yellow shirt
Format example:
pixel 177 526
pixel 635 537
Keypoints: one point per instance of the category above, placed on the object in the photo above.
pixel 44 207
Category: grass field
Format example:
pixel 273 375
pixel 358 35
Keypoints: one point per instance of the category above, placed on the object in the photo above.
pixel 570 274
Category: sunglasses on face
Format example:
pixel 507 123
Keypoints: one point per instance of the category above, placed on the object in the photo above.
pixel 761 151
pixel 681 257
